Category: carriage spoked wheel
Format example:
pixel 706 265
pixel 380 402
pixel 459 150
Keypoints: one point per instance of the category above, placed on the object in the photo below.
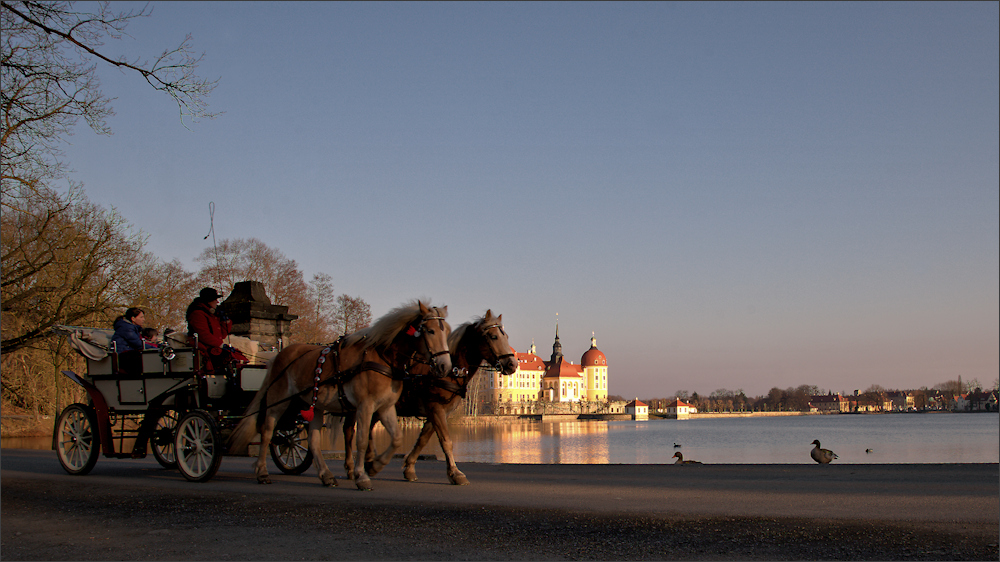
pixel 77 441
pixel 290 449
pixel 197 446
pixel 163 440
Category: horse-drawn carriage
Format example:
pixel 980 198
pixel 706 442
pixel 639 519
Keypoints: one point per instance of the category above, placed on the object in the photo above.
pixel 169 400
pixel 191 415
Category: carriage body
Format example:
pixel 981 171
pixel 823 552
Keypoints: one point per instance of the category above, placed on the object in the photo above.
pixel 163 400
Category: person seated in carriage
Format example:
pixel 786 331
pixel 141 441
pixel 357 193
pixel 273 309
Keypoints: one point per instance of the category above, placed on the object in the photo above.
pixel 149 336
pixel 211 326
pixel 128 331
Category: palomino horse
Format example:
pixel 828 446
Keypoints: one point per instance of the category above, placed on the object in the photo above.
pixel 360 375
pixel 471 344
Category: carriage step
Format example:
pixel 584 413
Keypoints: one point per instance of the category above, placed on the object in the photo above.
pixel 334 455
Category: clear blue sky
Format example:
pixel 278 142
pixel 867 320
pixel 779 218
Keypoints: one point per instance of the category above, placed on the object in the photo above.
pixel 728 195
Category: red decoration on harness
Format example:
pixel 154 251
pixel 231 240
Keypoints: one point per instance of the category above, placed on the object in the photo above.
pixel 411 331
pixel 308 414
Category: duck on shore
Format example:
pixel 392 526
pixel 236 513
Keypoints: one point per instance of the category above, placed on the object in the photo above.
pixel 680 459
pixel 822 456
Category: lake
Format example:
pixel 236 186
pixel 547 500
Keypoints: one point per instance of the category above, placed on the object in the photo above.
pixel 893 438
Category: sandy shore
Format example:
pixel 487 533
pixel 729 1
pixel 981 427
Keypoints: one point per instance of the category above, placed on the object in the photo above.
pixel 133 509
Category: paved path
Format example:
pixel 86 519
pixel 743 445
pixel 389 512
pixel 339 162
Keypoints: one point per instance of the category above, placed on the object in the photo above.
pixel 766 503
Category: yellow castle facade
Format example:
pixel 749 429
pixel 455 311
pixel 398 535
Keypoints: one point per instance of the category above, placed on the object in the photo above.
pixel 555 380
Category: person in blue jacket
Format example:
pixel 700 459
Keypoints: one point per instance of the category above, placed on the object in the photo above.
pixel 128 331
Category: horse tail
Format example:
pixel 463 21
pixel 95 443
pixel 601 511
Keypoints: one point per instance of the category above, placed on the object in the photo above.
pixel 256 412
pixel 253 417
pixel 240 439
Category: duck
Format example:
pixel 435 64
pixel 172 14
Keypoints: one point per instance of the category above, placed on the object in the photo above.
pixel 822 456
pixel 680 459
pixel 869 451
pixel 677 446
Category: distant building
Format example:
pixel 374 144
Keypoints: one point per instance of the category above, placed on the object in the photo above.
pixel 555 380
pixel 680 409
pixel 637 410
pixel 869 402
pixel 830 403
pixel 980 401
pixel 901 401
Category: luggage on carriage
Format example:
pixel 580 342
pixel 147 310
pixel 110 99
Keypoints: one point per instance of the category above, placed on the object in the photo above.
pixel 165 400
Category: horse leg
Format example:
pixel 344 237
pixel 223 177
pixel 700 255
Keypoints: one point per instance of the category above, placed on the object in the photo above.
pixel 391 424
pixel 315 440
pixel 440 417
pixel 266 433
pixel 410 462
pixel 348 420
pixel 362 427
pixel 370 451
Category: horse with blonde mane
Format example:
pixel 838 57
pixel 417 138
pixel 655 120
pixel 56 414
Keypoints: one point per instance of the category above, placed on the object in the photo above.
pixel 472 344
pixel 360 375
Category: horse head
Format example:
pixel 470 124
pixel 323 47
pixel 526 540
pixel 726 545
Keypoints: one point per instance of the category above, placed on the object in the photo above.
pixel 495 347
pixel 433 331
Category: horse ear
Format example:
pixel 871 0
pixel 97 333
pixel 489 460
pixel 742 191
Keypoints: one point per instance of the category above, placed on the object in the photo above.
pixel 500 319
pixel 423 307
pixel 489 313
pixel 444 311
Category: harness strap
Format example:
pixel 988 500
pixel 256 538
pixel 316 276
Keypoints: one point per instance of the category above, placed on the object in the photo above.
pixel 450 386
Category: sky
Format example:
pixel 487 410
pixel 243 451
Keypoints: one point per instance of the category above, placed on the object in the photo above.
pixel 726 195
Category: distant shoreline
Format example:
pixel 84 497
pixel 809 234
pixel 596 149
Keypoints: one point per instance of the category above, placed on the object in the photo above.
pixel 27 426
pixel 490 419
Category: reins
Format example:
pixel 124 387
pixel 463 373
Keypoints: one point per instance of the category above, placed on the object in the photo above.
pixel 462 377
pixel 499 364
pixel 340 377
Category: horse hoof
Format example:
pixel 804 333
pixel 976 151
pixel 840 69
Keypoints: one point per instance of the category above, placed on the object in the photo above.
pixel 460 480
pixel 410 475
pixel 364 486
pixel 330 482
pixel 263 479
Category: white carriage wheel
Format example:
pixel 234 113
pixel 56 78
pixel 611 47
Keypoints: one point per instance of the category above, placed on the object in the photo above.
pixel 197 446
pixel 290 450
pixel 162 440
pixel 77 442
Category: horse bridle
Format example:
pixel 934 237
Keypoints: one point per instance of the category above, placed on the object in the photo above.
pixel 418 330
pixel 500 358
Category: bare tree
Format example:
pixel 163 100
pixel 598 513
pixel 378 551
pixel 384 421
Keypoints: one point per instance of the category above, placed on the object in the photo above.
pixel 246 259
pixel 315 325
pixel 353 314
pixel 162 289
pixel 63 257
pixel 61 262
pixel 49 56
pixel 776 399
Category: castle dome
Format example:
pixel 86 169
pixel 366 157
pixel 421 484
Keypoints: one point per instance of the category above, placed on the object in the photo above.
pixel 593 356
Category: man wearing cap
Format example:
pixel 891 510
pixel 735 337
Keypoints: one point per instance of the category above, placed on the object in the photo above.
pixel 210 326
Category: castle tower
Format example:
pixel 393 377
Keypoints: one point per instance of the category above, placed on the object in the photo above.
pixel 556 346
pixel 595 372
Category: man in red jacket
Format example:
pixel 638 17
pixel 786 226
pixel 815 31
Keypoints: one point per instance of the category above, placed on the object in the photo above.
pixel 211 327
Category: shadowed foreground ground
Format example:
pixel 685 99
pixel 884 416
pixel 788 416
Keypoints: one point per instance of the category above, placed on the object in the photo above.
pixel 135 510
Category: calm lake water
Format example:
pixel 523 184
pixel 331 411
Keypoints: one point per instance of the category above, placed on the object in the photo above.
pixel 893 438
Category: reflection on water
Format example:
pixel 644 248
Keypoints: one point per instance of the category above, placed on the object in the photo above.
pixel 893 438
pixel 896 438
pixel 527 442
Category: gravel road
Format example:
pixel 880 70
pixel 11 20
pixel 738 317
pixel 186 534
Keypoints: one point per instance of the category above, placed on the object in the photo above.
pixel 135 510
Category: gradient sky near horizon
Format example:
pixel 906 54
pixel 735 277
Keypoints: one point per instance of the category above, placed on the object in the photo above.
pixel 728 195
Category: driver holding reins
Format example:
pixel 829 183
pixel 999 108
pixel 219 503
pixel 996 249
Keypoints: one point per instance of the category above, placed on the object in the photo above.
pixel 212 327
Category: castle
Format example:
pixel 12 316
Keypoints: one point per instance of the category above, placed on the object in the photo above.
pixel 554 381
